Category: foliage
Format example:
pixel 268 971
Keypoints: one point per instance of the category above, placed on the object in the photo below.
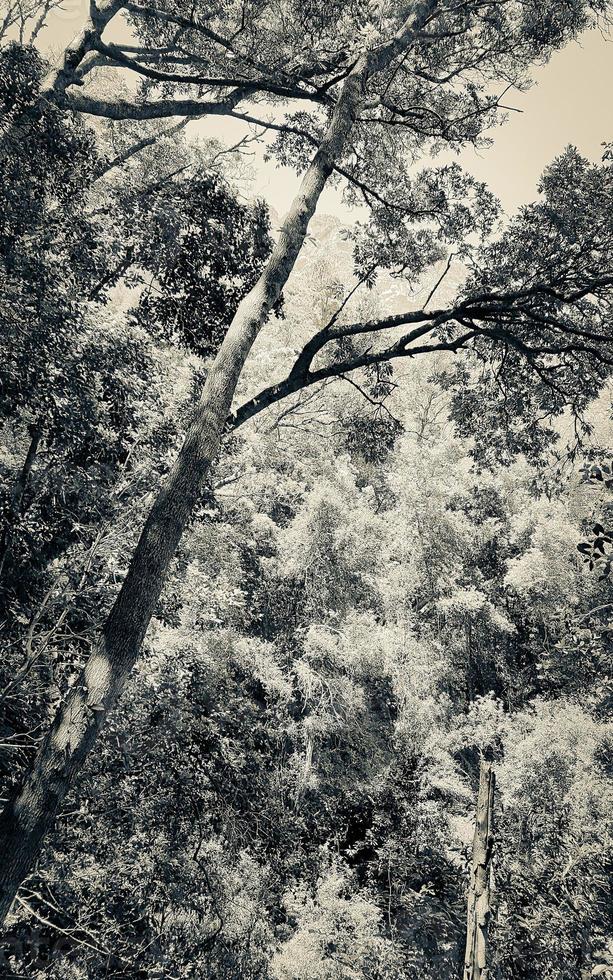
pixel 384 579
pixel 204 250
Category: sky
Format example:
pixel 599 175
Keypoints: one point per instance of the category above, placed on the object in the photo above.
pixel 570 103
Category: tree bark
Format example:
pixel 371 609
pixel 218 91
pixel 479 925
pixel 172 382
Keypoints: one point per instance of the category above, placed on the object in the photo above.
pixel 30 813
pixel 476 959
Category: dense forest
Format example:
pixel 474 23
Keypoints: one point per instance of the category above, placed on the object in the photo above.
pixel 305 519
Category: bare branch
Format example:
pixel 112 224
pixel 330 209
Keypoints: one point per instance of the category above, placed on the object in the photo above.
pixel 248 85
pixel 162 109
pixel 440 279
pixel 295 382
pixel 135 148
pixel 373 401
pixel 489 315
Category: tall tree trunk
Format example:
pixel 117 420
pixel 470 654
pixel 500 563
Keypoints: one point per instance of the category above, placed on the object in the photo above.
pixel 476 959
pixel 31 811
pixel 18 494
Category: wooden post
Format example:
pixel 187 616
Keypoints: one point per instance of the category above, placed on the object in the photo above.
pixel 476 959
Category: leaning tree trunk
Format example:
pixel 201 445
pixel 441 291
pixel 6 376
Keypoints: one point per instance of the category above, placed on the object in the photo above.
pixel 30 813
pixel 476 959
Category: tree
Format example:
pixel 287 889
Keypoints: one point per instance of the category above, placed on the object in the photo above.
pixel 196 844
pixel 476 960
pixel 387 80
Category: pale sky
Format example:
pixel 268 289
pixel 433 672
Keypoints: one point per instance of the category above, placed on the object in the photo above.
pixel 571 102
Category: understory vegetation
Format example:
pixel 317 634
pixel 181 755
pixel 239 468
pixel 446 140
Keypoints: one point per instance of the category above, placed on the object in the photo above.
pixel 396 567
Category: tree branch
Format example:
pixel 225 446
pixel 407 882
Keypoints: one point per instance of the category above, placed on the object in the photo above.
pixel 295 382
pixel 247 85
pixel 481 316
pixel 135 148
pixel 161 109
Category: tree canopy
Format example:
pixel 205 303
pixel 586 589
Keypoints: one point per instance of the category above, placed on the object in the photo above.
pixel 303 521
